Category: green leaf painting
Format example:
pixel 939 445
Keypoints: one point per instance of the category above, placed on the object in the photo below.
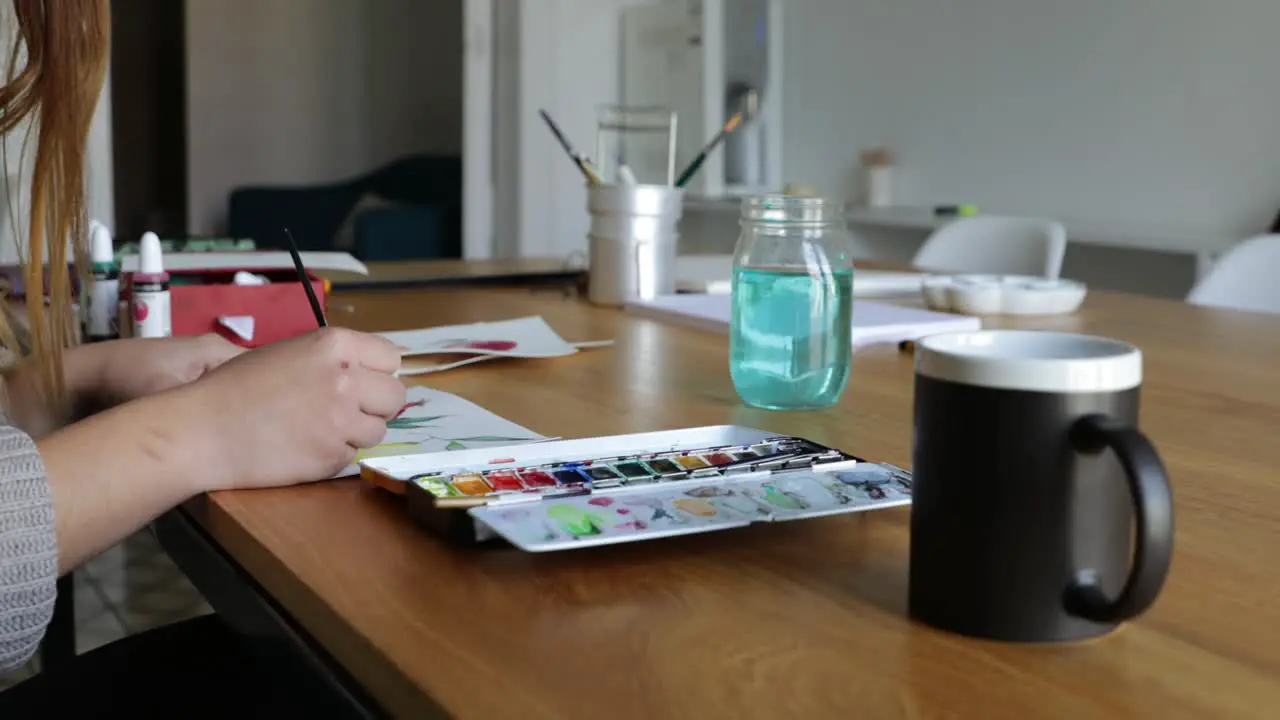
pixel 407 433
pixel 409 423
pixel 463 443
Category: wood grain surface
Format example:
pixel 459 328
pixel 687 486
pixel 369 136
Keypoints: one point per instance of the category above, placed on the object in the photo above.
pixel 795 620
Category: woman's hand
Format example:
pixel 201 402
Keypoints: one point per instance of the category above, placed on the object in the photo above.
pixel 107 374
pixel 293 411
pixel 102 375
pixel 297 410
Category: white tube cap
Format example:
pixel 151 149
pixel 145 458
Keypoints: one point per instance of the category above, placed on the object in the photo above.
pixel 150 256
pixel 100 248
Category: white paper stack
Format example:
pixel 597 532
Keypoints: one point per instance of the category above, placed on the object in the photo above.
pixel 873 322
pixel 714 274
pixel 255 259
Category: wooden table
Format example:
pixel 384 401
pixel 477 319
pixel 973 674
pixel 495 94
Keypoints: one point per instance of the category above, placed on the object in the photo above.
pixel 792 620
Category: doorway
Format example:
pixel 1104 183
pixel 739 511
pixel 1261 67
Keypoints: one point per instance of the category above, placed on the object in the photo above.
pixel 148 117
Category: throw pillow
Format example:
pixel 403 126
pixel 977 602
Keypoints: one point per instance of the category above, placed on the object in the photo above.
pixel 345 237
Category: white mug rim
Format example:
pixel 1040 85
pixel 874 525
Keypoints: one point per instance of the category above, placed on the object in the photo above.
pixel 1030 360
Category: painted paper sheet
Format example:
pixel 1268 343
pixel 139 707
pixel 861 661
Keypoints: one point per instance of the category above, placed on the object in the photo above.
pixel 442 348
pixel 434 421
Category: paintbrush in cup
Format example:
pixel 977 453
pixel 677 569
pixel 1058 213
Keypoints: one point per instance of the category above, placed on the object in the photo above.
pixel 583 164
pixel 710 147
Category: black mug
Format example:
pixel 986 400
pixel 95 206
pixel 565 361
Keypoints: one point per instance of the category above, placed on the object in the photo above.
pixel 1023 527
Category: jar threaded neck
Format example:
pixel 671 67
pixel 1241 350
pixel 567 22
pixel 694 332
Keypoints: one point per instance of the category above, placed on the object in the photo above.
pixel 790 210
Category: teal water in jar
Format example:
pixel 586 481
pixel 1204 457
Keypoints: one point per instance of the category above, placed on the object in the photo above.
pixel 790 328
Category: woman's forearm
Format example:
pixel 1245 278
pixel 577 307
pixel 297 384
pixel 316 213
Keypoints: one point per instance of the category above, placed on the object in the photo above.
pixel 116 471
pixel 25 403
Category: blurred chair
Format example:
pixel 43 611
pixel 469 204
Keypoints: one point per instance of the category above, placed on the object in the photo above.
pixel 411 208
pixel 995 246
pixel 1244 278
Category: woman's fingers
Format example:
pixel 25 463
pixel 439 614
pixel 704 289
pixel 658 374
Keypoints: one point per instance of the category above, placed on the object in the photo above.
pixel 367 431
pixel 379 394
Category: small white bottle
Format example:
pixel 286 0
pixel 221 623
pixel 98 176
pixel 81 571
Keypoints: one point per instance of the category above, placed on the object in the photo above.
pixel 101 302
pixel 150 298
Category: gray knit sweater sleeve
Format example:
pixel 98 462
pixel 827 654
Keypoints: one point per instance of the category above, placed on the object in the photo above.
pixel 28 547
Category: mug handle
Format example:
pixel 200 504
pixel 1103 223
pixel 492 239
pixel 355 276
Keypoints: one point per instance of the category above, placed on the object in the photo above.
pixel 1153 505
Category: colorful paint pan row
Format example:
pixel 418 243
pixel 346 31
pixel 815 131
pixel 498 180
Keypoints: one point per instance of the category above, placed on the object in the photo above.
pixel 614 472
pixel 665 511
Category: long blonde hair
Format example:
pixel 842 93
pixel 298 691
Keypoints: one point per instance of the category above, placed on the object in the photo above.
pixel 55 75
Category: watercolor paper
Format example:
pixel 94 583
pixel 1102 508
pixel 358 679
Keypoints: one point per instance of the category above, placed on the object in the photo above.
pixel 442 348
pixel 434 421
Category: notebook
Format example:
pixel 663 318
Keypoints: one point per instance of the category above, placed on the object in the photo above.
pixel 873 322
pixel 714 274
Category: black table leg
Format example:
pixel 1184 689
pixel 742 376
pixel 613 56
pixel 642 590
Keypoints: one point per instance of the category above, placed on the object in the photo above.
pixel 250 611
pixel 59 644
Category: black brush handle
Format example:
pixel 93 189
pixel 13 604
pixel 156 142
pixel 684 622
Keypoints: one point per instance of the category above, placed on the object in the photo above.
pixel 321 321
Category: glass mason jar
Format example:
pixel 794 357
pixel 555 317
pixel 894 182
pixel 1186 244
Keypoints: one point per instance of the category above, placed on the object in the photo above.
pixel 789 334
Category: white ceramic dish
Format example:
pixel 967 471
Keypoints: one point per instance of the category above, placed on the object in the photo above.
pixel 1002 295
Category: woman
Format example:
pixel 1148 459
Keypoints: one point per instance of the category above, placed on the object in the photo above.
pixel 182 416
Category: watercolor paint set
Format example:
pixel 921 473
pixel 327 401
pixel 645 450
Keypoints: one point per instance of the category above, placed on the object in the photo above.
pixel 566 494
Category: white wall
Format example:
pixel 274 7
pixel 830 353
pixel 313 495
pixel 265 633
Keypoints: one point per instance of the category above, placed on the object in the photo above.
pixel 313 91
pixel 478 129
pixel 1150 115
pixel 561 55
pixel 100 174
pixel 507 128
pixel 15 194
pixel 1152 118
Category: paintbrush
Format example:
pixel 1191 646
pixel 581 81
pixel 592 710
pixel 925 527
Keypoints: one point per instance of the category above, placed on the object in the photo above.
pixel 461 502
pixel 305 280
pixel 583 164
pixel 701 158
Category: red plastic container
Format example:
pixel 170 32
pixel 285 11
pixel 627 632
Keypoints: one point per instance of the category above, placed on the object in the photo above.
pixel 199 297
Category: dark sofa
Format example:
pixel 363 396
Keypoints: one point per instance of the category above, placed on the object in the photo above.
pixel 421 217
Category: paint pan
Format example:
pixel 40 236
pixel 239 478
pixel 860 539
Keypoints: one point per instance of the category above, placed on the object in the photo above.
pixel 633 470
pixel 437 485
pixel 691 462
pixel 601 472
pixel 537 478
pixel 569 476
pixel 504 481
pixel 470 484
pixel 663 466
